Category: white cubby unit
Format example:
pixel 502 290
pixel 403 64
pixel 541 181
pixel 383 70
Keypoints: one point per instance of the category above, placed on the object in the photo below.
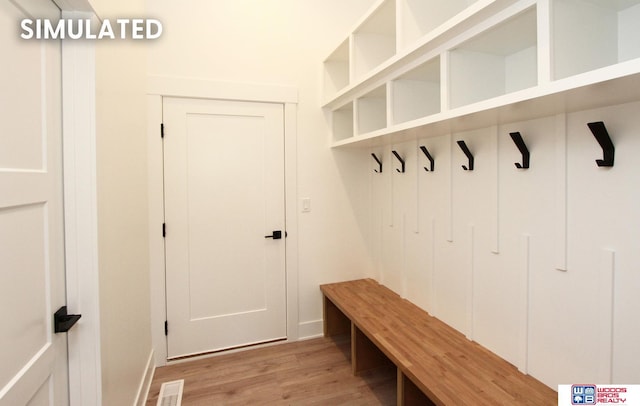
pixel 430 67
pixel 499 61
pixel 591 34
pixel 371 111
pixel 374 41
pixel 419 18
pixel 336 69
pixel 342 122
pixel 416 93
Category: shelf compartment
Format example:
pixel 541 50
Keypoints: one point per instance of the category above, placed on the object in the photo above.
pixel 342 122
pixel 591 34
pixel 418 18
pixel 336 70
pixel 374 41
pixel 499 61
pixel 416 94
pixel 371 111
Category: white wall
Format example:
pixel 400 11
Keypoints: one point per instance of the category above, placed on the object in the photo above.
pixel 282 42
pixel 489 242
pixel 122 209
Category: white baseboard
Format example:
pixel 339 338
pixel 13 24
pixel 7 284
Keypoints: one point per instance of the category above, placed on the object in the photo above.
pixel 310 329
pixel 145 383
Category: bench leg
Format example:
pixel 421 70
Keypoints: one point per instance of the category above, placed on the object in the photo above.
pixel 335 322
pixel 364 354
pixel 409 394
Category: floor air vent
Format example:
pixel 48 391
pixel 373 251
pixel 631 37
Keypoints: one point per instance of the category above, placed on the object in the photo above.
pixel 171 393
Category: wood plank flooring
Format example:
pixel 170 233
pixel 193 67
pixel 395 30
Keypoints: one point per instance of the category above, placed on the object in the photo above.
pixel 313 372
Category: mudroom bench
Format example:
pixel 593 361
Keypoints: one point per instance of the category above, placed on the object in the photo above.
pixel 435 363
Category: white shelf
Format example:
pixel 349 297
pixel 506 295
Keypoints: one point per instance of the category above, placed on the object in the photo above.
pixel 590 34
pixel 416 93
pixel 374 41
pixel 501 60
pixel 371 111
pixel 342 122
pixel 465 64
pixel 336 69
pixel 419 18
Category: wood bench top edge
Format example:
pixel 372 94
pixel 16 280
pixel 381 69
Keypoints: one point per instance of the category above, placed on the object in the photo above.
pixel 450 357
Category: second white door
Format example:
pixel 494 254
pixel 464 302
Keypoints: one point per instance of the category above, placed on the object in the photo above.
pixel 224 194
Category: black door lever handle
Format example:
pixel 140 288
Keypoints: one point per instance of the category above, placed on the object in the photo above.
pixel 277 234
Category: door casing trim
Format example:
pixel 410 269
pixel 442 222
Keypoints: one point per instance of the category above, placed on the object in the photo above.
pixel 163 86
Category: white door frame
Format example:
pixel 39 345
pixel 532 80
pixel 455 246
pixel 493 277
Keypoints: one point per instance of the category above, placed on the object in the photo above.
pixel 80 211
pixel 161 86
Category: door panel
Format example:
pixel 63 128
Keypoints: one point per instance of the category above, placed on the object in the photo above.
pixel 34 360
pixel 224 192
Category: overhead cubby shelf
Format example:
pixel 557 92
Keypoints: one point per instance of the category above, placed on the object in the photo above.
pixel 419 18
pixel 416 93
pixel 374 41
pixel 415 68
pixel 342 123
pixel 501 60
pixel 371 111
pixel 591 34
pixel 336 69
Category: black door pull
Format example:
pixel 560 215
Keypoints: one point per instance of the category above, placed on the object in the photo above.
pixel 277 234
pixel 62 321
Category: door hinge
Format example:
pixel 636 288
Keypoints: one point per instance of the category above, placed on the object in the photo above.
pixel 164 230
pixel 166 328
pixel 161 130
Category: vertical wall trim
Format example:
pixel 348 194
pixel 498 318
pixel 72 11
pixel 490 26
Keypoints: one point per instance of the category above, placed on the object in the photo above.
pixel 561 192
pixel 403 270
pixel 525 305
pixel 432 272
pixel 449 213
pixel 495 195
pixel 470 285
pixel 606 296
pixel 417 182
pixel 389 176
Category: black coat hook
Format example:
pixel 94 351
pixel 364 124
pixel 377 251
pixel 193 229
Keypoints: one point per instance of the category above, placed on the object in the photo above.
pixel 399 159
pixel 608 150
pixel 379 163
pixel 517 139
pixel 465 149
pixel 429 157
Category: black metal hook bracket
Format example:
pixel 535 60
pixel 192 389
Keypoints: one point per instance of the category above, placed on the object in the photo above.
pixel 429 157
pixel 522 147
pixel 602 136
pixel 399 159
pixel 465 149
pixel 379 163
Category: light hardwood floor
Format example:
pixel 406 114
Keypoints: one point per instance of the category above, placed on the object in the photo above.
pixel 313 372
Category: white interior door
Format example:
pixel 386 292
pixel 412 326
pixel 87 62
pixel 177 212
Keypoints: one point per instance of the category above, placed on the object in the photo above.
pixel 33 366
pixel 224 192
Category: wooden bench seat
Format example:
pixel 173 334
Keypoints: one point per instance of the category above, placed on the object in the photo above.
pixel 435 363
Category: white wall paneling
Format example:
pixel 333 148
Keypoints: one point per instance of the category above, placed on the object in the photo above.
pixel 558 326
